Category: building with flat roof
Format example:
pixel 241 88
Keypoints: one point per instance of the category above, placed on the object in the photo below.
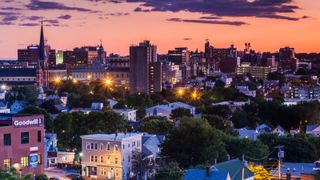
pixel 22 143
pixel 109 156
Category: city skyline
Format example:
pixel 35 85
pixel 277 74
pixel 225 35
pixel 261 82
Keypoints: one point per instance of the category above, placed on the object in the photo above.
pixel 268 25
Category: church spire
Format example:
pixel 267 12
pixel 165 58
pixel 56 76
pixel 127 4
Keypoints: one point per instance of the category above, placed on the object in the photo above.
pixel 41 44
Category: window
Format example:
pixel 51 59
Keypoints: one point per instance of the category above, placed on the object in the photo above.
pixel 25 138
pixel 95 158
pixel 7 164
pixel 91 158
pixel 96 146
pixel 92 145
pixel 129 158
pixel 133 144
pixel 39 136
pixel 108 146
pixel 88 145
pixel 101 159
pixel 7 139
pixel 101 146
pixel 24 161
pixel 128 145
pixel 116 147
pixel 116 160
pixel 103 171
pixel 123 146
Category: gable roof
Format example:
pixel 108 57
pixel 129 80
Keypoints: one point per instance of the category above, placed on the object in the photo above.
pixel 194 174
pixel 234 167
pixel 312 127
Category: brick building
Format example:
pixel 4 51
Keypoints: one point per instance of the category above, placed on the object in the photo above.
pixel 22 146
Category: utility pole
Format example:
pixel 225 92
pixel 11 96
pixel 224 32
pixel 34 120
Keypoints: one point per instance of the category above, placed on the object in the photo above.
pixel 280 157
pixel 243 163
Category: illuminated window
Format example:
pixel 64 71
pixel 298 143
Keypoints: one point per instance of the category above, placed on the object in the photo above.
pixel 101 159
pixel 116 147
pixel 24 161
pixel 39 159
pixel 6 164
pixel 116 160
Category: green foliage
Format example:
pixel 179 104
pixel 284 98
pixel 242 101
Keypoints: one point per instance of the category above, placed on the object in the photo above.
pixel 70 126
pixel 221 110
pixel 48 123
pixel 41 177
pixel 139 100
pixel 215 121
pixel 251 149
pixel 180 112
pixel 297 149
pixel 169 171
pixel 28 94
pixel 156 126
pixel 194 142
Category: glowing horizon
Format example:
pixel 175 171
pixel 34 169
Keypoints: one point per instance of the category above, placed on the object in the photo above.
pixel 120 24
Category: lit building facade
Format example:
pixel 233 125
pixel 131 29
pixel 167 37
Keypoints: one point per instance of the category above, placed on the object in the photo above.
pixel 109 156
pixel 22 143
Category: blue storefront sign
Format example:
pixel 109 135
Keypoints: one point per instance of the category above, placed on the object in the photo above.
pixel 33 160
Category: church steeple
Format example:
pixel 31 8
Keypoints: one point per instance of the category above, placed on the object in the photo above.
pixel 42 44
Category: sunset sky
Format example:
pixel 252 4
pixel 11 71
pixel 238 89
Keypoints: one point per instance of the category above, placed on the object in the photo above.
pixel 267 24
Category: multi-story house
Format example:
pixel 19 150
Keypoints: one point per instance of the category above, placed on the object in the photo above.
pixel 109 156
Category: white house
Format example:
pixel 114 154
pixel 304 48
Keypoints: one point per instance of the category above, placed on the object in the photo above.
pixel 313 130
pixel 129 114
pixel 247 133
pixel 112 103
pixel 279 130
pixel 166 109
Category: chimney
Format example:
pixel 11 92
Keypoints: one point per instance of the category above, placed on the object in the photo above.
pixel 208 171
pixel 215 161
pixel 228 157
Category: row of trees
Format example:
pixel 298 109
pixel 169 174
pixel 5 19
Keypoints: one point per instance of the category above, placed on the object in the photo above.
pixel 70 126
pixel 275 113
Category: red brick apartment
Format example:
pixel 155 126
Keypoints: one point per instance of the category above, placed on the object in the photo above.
pixel 21 143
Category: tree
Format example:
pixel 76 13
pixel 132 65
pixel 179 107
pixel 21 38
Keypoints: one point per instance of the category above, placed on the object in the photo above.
pixel 216 121
pixel 28 94
pixel 70 126
pixel 41 177
pixel 155 126
pixel 169 171
pixel 297 149
pixel 249 148
pixel 140 100
pixel 194 142
pixel 180 112
pixel 48 123
pixel 220 110
pixel 240 119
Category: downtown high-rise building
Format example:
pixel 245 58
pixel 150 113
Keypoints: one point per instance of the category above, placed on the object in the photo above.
pixel 145 69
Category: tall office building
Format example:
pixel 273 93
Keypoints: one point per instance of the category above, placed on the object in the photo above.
pixel 145 69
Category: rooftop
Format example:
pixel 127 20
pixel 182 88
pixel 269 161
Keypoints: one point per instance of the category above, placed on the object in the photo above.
pixel 118 136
